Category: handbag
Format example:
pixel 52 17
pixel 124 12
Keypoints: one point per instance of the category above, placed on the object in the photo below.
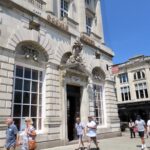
pixel 32 144
pixel 135 129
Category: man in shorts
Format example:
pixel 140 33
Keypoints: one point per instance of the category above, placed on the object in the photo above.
pixel 80 128
pixel 11 135
pixel 141 126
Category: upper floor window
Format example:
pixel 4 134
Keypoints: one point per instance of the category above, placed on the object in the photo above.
pixel 88 24
pixel 97 55
pixel 125 93
pixel 123 78
pixel 64 8
pixel 139 75
pixel 141 90
pixel 88 2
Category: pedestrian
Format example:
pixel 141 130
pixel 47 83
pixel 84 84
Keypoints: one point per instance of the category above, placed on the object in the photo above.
pixel 11 134
pixel 141 126
pixel 148 128
pixel 80 129
pixel 27 136
pixel 132 127
pixel 91 132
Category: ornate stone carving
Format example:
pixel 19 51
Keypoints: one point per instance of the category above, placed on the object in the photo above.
pixel 87 39
pixel 30 53
pixel 56 22
pixel 76 53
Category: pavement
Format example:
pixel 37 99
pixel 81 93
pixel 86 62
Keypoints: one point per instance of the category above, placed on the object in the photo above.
pixel 118 143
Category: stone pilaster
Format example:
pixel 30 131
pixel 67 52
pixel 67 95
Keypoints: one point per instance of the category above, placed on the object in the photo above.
pixel 6 88
pixel 98 26
pixel 50 6
pixel 111 107
pixel 82 16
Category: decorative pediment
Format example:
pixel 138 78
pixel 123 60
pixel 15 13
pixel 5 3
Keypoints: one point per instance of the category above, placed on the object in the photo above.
pixel 75 61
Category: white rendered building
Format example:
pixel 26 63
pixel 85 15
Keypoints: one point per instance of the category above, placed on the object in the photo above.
pixel 133 88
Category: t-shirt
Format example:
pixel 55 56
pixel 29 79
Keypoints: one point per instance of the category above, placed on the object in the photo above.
pixel 11 133
pixel 79 127
pixel 91 131
pixel 140 125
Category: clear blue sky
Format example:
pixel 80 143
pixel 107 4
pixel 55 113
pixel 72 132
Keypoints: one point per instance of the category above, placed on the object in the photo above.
pixel 126 26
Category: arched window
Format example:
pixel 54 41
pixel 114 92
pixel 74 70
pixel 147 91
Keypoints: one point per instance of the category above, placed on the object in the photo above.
pixel 28 84
pixel 98 96
pixel 139 75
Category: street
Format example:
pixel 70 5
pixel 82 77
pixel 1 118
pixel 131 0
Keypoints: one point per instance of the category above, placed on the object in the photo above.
pixel 118 143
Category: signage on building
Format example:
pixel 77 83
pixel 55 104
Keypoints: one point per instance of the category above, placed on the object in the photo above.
pixel 60 24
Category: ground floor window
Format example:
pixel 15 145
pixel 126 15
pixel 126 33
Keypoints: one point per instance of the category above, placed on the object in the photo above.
pixel 98 104
pixel 27 96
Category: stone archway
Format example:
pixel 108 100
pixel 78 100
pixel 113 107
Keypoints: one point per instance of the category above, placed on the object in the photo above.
pixel 33 36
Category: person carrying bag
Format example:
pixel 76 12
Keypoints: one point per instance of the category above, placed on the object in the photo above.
pixel 27 137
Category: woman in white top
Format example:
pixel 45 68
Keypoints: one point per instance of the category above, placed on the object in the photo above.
pixel 28 134
pixel 148 128
pixel 91 132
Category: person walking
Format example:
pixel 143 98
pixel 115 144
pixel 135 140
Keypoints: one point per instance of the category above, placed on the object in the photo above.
pixel 132 127
pixel 91 132
pixel 27 136
pixel 141 126
pixel 11 134
pixel 148 128
pixel 80 129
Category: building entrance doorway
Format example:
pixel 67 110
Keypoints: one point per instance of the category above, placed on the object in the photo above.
pixel 73 109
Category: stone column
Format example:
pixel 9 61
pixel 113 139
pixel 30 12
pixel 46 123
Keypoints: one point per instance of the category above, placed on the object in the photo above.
pixel 64 131
pixel 84 109
pixel 82 16
pixel 99 26
pixel 50 6
pixel 113 121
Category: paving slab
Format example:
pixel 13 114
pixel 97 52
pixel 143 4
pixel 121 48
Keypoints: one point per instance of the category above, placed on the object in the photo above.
pixel 117 143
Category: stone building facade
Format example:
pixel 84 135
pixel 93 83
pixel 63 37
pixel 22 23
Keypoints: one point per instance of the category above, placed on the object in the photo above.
pixel 133 88
pixel 54 66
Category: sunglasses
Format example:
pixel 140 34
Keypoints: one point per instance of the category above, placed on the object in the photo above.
pixel 27 121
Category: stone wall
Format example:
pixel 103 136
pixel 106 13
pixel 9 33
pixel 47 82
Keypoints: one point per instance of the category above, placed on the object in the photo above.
pixel 6 86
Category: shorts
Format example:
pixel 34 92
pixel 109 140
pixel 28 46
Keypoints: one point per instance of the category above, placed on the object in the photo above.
pixel 141 134
pixel 80 137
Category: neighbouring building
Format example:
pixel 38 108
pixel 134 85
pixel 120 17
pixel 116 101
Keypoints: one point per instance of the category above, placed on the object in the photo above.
pixel 54 66
pixel 133 88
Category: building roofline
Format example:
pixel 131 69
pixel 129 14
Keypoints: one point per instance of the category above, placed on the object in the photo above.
pixel 131 59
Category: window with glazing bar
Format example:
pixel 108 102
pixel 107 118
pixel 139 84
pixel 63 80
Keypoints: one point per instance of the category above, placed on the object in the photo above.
pixel 98 104
pixel 64 8
pixel 27 99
